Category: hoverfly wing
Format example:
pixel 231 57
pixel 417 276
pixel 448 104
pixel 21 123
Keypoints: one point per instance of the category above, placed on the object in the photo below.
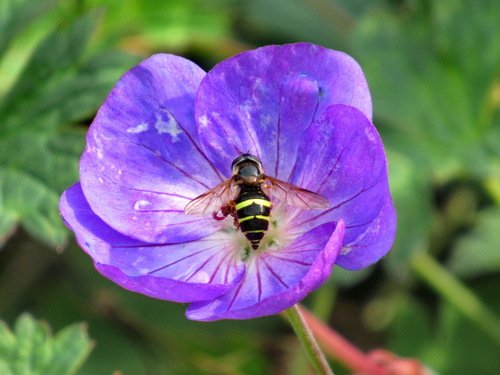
pixel 212 200
pixel 296 196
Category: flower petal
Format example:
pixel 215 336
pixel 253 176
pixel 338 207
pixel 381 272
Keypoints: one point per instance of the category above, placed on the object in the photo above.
pixel 373 243
pixel 261 101
pixel 277 280
pixel 348 167
pixel 143 162
pixel 194 271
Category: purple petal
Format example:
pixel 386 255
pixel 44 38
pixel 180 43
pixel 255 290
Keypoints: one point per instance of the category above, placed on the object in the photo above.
pixel 276 280
pixel 193 271
pixel 143 162
pixel 261 101
pixel 373 243
pixel 348 167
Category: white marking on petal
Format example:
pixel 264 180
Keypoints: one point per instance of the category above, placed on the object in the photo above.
pixel 345 250
pixel 140 128
pixel 201 277
pixel 369 134
pixel 203 120
pixel 266 119
pixel 169 126
pixel 140 204
pixel 246 108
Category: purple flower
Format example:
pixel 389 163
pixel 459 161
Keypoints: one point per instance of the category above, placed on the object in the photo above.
pixel 169 132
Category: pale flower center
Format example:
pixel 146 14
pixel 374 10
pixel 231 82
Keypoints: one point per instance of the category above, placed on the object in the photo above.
pixel 276 237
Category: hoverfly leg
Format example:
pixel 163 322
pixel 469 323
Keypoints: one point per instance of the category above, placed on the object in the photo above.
pixel 216 215
pixel 236 222
pixel 225 211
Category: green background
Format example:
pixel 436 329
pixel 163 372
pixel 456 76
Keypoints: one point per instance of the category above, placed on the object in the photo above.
pixel 433 69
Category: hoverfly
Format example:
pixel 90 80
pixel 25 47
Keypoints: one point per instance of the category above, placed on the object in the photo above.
pixel 243 196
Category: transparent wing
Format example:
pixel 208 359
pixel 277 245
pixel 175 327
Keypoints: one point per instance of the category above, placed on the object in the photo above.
pixel 212 200
pixel 296 196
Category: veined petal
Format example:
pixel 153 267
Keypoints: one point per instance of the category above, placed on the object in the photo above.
pixel 143 162
pixel 276 280
pixel 261 101
pixel 373 243
pixel 181 272
pixel 348 167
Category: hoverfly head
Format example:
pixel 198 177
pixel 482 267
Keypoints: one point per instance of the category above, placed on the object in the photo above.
pixel 248 167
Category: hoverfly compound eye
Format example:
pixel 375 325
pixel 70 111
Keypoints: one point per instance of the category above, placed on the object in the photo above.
pixel 245 159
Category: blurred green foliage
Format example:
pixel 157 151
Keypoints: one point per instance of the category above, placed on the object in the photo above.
pixel 31 349
pixel 57 86
pixel 434 72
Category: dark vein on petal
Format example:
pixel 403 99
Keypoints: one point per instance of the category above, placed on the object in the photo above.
pixel 275 274
pixel 133 246
pixel 300 251
pixel 337 206
pixel 224 258
pixel 332 169
pixel 201 219
pixel 160 156
pixel 181 259
pixel 276 169
pixel 259 281
pixel 228 268
pixel 157 192
pixel 236 293
pixel 159 210
pixel 189 136
pixel 108 179
pixel 229 138
pixel 358 225
pixel 298 146
pixel 211 256
pixel 195 144
pixel 254 142
pixel 357 246
pixel 291 260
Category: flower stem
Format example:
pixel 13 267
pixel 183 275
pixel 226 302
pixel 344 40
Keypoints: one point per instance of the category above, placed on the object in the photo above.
pixel 308 341
pixel 456 293
pixel 340 349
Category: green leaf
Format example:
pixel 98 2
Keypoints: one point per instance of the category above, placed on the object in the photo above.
pixel 411 195
pixel 322 22
pixel 16 15
pixel 7 340
pixel 446 340
pixel 50 64
pixel 32 350
pixel 410 332
pixel 4 368
pixel 33 204
pixel 477 252
pixel 28 354
pixel 38 150
pixel 7 225
pixel 461 348
pixel 70 348
pixel 432 81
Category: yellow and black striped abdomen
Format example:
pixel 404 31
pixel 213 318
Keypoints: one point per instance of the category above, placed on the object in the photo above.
pixel 252 210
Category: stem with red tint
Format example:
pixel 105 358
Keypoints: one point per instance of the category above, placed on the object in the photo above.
pixel 305 336
pixel 341 349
